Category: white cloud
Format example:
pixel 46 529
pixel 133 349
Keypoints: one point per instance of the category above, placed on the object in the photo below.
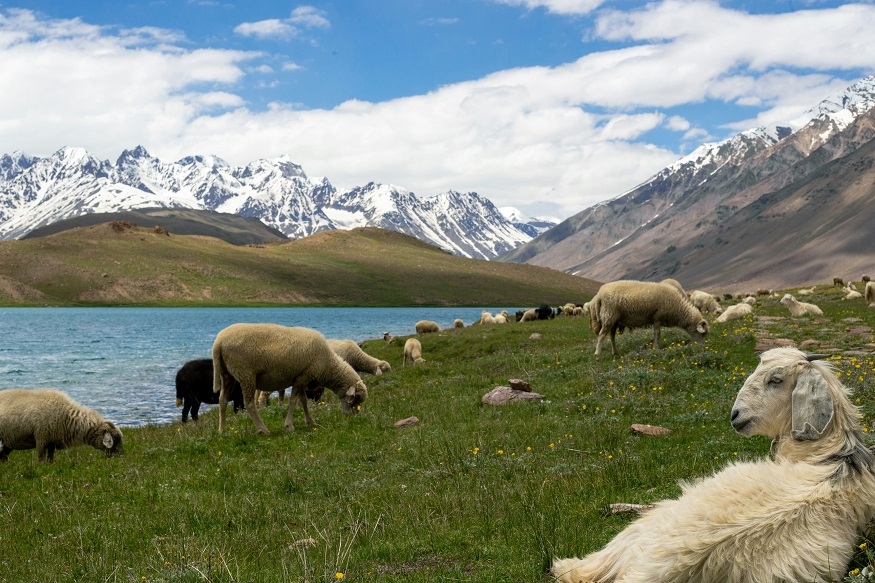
pixel 302 17
pixel 568 7
pixel 559 137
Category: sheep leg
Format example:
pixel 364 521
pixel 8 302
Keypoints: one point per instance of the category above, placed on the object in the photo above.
pixel 614 350
pixel 195 407
pixel 249 403
pixel 4 453
pixel 46 452
pixel 598 345
pixel 655 336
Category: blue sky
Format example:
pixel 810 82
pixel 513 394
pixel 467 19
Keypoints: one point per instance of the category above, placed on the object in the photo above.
pixel 546 105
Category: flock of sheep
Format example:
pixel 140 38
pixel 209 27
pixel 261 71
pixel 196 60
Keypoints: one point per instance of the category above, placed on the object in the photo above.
pixel 794 516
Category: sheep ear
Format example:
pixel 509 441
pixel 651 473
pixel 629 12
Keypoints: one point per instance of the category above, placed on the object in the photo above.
pixel 350 392
pixel 702 327
pixel 812 406
pixel 108 441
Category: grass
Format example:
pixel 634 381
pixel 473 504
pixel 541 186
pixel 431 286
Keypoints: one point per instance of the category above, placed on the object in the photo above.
pixel 472 493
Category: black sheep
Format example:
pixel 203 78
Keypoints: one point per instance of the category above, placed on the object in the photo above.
pixel 194 385
pixel 544 312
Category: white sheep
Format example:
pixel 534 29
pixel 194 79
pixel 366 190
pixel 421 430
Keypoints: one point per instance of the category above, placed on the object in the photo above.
pixel 735 312
pixel 412 352
pixel 458 323
pixel 529 316
pixel 46 420
pixel 388 338
pixel 806 291
pixel 357 358
pixel 675 284
pixel 427 326
pixel 486 317
pixel 796 517
pixel 750 300
pixel 870 291
pixel 269 357
pixel 851 292
pixel 705 302
pixel 638 304
pixel 798 308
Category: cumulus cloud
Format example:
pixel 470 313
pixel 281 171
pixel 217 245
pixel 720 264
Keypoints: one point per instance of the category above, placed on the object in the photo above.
pixel 562 137
pixel 302 17
pixel 568 7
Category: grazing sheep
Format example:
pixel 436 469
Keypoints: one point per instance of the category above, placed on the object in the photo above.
pixel 486 317
pixel 735 312
pixel 544 312
pixel 870 291
pixel 47 420
pixel 358 359
pixel 793 518
pixel 638 304
pixel 705 302
pixel 837 281
pixel 427 326
pixel 388 338
pixel 458 323
pixel 529 316
pixel 412 351
pixel 194 385
pixel 798 308
pixel 675 284
pixel 727 296
pixel 269 357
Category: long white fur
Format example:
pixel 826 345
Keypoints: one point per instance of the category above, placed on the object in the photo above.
pixel 794 518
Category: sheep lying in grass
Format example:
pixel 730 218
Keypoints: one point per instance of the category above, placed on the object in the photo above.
pixel 705 302
pixel 806 291
pixel 269 357
pixel 851 293
pixel 47 420
pixel 638 304
pixel 194 385
pixel 798 308
pixel 358 359
pixel 794 518
pixel 735 312
pixel 426 327
pixel 750 300
pixel 412 352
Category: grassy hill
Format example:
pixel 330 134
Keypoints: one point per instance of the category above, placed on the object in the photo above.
pixel 121 264
pixel 472 493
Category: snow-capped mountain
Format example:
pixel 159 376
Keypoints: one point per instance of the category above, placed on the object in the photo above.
pixel 38 191
pixel 680 222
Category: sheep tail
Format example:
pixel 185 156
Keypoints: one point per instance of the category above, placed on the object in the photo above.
pixel 218 368
pixel 594 308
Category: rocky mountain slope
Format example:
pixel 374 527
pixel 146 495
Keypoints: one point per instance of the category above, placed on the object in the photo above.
pixel 35 192
pixel 700 220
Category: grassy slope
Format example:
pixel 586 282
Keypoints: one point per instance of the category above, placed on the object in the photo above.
pixel 473 493
pixel 364 267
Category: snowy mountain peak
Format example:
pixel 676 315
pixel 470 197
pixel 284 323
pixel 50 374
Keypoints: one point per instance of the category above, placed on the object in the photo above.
pixel 35 192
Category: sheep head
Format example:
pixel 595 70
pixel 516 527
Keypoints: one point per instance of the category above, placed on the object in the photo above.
pixel 699 332
pixel 108 438
pixel 785 394
pixel 354 396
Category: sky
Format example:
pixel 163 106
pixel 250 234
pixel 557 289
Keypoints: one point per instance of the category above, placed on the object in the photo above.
pixel 549 106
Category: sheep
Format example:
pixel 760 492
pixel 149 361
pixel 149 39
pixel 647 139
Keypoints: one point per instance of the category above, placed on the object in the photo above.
pixel 795 517
pixel 851 293
pixel 735 312
pixel 388 338
pixel 529 316
pixel 485 318
pixel 261 397
pixel 544 312
pixel 806 291
pixel 870 291
pixel 798 308
pixel 427 326
pixel 413 352
pixel 637 304
pixel 675 284
pixel 358 359
pixel 269 357
pixel 865 279
pixel 838 282
pixel 46 420
pixel 705 302
pixel 750 300
pixel 458 323
pixel 763 291
pixel 194 385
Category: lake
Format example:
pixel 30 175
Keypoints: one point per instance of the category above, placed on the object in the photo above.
pixel 123 361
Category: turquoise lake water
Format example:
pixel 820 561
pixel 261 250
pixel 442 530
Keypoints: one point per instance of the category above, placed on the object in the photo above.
pixel 123 361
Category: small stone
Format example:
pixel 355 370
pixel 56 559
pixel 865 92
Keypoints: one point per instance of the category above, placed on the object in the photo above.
pixel 505 395
pixel 536 336
pixel 409 422
pixel 650 429
pixel 625 508
pixel 520 385
pixel 806 344
pixel 304 542
pixel 764 344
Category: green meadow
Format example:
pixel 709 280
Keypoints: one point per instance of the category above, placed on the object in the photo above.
pixel 472 493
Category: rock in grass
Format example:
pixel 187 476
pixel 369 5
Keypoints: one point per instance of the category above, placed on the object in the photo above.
pixel 624 508
pixel 520 385
pixel 409 422
pixel 649 429
pixel 505 395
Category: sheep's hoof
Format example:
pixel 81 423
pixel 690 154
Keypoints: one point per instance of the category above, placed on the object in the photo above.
pixel 264 431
